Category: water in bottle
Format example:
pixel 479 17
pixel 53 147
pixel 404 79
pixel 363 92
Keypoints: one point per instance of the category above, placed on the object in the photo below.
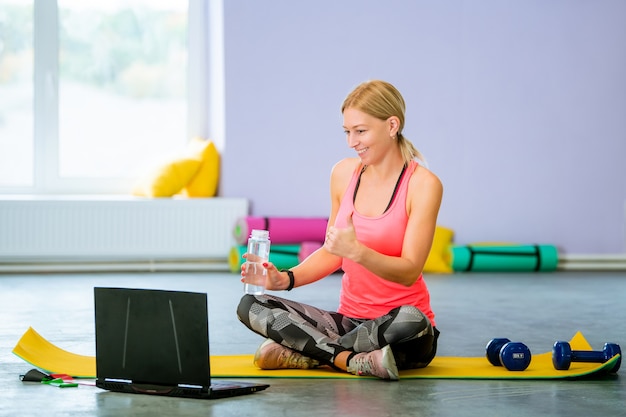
pixel 258 253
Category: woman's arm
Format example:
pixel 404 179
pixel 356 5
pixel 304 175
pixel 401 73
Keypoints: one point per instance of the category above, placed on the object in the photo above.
pixel 320 263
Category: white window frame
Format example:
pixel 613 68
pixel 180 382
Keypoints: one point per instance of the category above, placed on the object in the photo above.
pixel 205 111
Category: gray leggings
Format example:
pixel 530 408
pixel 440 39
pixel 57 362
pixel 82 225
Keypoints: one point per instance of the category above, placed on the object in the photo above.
pixel 321 334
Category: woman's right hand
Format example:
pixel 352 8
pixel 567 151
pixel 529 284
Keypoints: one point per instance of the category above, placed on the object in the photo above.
pixel 274 281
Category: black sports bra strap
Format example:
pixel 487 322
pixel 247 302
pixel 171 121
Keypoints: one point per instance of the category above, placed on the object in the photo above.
pixel 395 189
pixel 358 182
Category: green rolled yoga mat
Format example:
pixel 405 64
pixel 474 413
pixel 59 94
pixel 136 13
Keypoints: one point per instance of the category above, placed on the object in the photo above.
pixel 504 258
pixel 282 256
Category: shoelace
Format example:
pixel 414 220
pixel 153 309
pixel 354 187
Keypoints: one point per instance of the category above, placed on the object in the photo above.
pixel 364 365
pixel 292 359
pixel 285 358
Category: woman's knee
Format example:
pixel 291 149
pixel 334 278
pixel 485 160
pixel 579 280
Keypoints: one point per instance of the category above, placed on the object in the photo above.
pixel 244 307
pixel 410 310
pixel 411 314
pixel 410 322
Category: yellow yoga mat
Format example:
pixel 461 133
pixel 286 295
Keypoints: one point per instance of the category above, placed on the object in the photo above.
pixel 36 350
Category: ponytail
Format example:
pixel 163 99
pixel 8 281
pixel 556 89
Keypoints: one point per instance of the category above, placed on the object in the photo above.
pixel 409 151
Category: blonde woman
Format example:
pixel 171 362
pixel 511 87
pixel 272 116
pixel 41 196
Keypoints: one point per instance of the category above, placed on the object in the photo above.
pixel 384 207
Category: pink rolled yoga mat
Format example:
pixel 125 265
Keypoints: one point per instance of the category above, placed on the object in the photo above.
pixel 282 229
pixel 307 248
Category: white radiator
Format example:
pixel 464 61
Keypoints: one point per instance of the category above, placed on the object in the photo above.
pixel 105 230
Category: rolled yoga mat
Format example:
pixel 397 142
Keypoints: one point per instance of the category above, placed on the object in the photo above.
pixel 307 248
pixel 282 229
pixel 504 258
pixel 282 256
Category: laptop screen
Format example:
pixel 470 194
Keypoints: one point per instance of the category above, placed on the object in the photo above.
pixel 152 336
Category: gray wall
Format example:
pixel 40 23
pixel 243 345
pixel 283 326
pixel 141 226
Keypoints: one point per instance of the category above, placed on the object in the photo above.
pixel 519 107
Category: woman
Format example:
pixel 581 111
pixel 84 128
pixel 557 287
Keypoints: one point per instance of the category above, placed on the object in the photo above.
pixel 384 208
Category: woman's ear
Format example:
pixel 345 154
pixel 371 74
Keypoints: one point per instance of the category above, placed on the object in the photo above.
pixel 394 125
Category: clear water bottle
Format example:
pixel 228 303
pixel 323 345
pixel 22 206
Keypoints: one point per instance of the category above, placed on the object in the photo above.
pixel 258 254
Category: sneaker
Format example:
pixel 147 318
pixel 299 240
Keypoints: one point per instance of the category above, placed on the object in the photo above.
pixel 380 363
pixel 272 355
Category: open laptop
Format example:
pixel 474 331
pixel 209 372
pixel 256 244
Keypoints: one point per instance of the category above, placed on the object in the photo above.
pixel 157 342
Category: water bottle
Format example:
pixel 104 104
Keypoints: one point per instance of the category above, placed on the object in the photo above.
pixel 258 253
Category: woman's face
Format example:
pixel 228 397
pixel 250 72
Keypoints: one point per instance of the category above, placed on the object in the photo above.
pixel 369 136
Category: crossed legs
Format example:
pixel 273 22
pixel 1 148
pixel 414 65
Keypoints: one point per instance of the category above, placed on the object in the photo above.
pixel 332 339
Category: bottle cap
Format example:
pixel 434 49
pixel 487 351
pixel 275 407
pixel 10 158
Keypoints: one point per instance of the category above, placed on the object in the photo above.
pixel 263 234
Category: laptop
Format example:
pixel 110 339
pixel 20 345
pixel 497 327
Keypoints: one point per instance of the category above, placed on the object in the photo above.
pixel 157 342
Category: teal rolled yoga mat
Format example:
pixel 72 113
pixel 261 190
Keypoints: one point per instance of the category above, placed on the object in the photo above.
pixel 282 256
pixel 504 258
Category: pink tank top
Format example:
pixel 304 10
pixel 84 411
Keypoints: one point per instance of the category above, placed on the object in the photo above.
pixel 364 294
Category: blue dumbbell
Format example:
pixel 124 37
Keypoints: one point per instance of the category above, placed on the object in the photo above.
pixel 563 355
pixel 514 356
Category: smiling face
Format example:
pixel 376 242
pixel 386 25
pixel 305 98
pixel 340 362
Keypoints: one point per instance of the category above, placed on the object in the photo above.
pixel 369 136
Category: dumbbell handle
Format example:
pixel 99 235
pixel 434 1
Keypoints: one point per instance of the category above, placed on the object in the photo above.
pixel 589 356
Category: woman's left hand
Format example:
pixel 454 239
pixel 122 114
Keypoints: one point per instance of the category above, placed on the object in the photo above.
pixel 342 242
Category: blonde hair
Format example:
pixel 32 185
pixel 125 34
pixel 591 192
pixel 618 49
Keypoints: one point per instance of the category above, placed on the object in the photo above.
pixel 382 100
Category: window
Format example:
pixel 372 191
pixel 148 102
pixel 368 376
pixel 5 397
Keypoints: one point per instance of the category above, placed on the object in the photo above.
pixel 16 90
pixel 94 91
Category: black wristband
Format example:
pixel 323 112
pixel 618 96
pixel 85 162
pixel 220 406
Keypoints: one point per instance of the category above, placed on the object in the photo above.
pixel 292 279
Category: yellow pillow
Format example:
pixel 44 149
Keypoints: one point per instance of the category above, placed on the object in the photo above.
pixel 204 182
pixel 439 259
pixel 168 178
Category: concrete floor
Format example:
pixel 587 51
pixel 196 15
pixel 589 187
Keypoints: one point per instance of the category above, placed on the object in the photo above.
pixel 471 309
